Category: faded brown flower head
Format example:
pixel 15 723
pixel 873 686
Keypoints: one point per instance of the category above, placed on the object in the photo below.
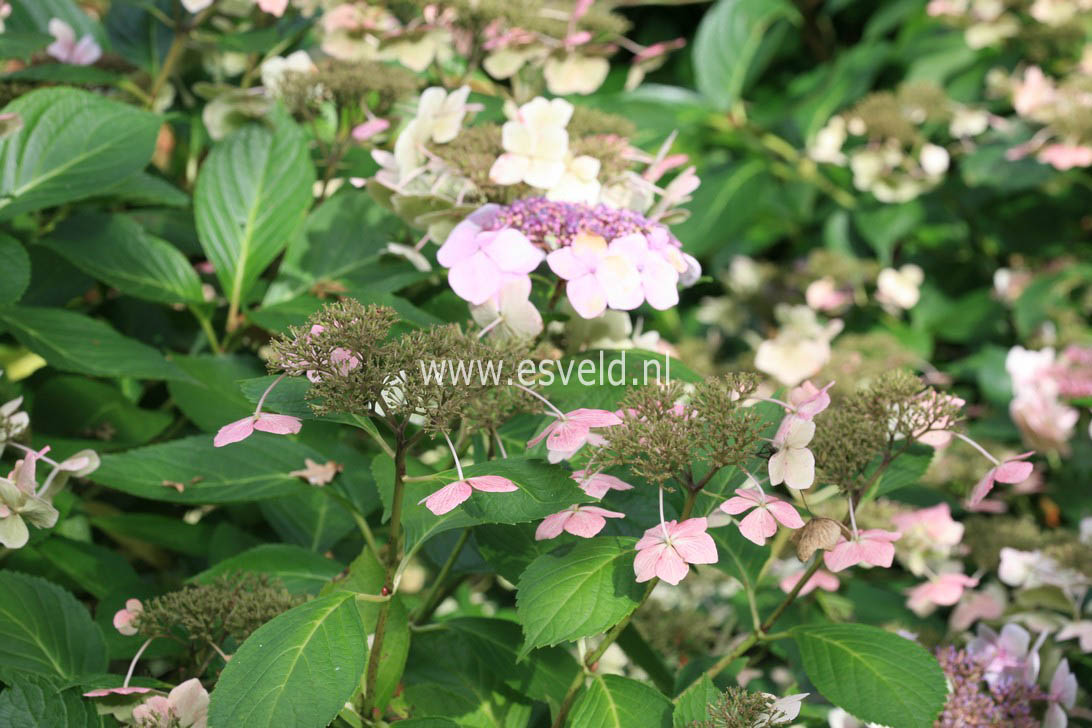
pixel 817 534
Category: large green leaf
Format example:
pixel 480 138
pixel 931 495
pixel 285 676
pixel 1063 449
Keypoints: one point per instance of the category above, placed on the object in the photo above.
pixel 116 250
pixel 874 674
pixel 251 470
pixel 45 630
pixel 14 269
pixel 297 670
pixel 73 144
pixel 73 342
pixel 577 591
pixel 728 42
pixel 612 701
pixel 297 568
pixel 37 700
pixel 95 569
pixel 251 198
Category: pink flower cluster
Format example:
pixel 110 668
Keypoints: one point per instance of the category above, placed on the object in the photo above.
pixel 609 258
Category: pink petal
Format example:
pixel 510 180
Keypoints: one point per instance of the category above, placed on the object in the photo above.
pixel 736 505
pixel 758 526
pixel 492 484
pixel 688 528
pixel 660 283
pixel 586 296
pixel 123 622
pixel 553 525
pixel 475 279
pixel 234 432
pixel 567 436
pixel 513 252
pixel 785 514
pixel 585 524
pixel 461 243
pixel 447 497
pixel 103 692
pixel 593 417
pixel 602 512
pixel 982 488
pixel 671 567
pixel 565 264
pixel 644 565
pixel 539 437
pixel 843 556
pixel 697 549
pixel 278 424
pixel 597 485
pixel 1013 472
pixel 652 537
pixel 877 553
pixel 365 131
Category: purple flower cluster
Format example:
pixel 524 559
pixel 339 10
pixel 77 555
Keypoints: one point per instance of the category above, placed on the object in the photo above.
pixel 972 702
pixel 555 224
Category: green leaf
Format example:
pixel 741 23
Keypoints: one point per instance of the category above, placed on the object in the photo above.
pixel 137 35
pixel 73 342
pixel 297 568
pixel 456 682
pixel 148 190
pixel 36 700
pixel 74 406
pixel 310 519
pixel 191 539
pixel 73 144
pixel 22 45
pixel 210 397
pixel 296 670
pixel 873 674
pixel 884 226
pixel 256 468
pixel 96 569
pixel 251 197
pixel 45 630
pixel 728 42
pixel 366 576
pixel 577 591
pixel 904 470
pixel 14 269
pixel 612 701
pixel 738 556
pixel 343 235
pixel 428 723
pixel 599 378
pixel 509 548
pixel 691 704
pixel 546 676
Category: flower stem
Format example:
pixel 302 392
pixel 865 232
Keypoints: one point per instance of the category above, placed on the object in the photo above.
pixel 261 400
pixel 560 415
